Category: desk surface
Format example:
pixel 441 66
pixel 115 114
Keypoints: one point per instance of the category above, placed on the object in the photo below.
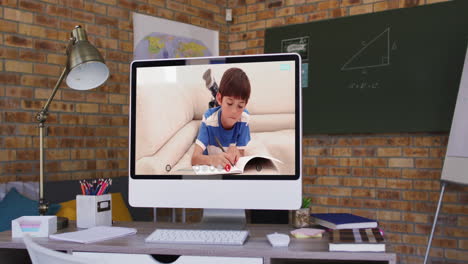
pixel 257 245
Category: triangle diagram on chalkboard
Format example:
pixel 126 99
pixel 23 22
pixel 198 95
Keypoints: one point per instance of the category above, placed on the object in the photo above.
pixel 375 53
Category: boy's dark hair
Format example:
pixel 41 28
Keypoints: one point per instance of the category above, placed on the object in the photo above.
pixel 235 83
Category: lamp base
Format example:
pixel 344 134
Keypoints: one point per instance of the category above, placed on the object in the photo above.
pixel 62 222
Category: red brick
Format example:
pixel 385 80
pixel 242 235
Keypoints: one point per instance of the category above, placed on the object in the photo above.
pixel 338 191
pixel 32 5
pixel 328 161
pixel 375 162
pixel 18 15
pixel 388 173
pixel 286 11
pixel 356 192
pixel 274 22
pixel 388 152
pixel 256 8
pixel 296 19
pixel 83 154
pixel 351 162
pixel 421 174
pixel 389 195
pixel 426 185
pixel 8 155
pixel 415 196
pixel 369 152
pixel 317 16
pixel 95 8
pixel 415 217
pixel 256 25
pixel 9 103
pixel 363 172
pixel 399 184
pixel 401 162
pixel 455 254
pixel 437 152
pixel 20 92
pixel 57 154
pixel 18 66
pixel 8 26
pixel 340 171
pixel 374 183
pixel 313 151
pixel 32 55
pixel 9 53
pixel 399 205
pixel 17 41
pixel 416 152
pixel 350 202
pixel 328 181
pixel 360 9
pixel 58 11
pixel 388 215
pixel 429 163
pixel 118 12
pixel 338 12
pixel 48 45
pixel 352 182
pixel 428 141
pixel 341 152
pixel 275 4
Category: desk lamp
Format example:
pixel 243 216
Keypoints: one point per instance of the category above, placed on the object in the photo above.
pixel 85 69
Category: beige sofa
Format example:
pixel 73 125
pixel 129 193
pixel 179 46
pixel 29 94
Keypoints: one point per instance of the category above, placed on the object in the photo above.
pixel 169 115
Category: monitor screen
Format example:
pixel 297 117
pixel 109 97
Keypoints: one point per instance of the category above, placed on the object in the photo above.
pixel 230 123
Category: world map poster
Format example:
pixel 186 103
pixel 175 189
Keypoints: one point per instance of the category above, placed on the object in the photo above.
pixel 158 38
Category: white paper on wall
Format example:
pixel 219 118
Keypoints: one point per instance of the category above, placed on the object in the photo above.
pixel 158 38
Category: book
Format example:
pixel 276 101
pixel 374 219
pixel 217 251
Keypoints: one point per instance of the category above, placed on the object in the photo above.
pixel 354 240
pixel 254 163
pixel 343 221
pixel 95 234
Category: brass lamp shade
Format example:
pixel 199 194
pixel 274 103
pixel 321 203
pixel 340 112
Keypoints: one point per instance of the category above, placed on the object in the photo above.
pixel 86 66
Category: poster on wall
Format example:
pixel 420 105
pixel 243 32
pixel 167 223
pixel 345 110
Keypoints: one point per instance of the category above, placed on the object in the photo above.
pixel 158 38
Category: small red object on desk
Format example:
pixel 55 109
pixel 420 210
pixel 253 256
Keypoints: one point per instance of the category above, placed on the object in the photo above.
pixel 227 167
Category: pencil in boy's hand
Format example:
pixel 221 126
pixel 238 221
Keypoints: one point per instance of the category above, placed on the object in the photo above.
pixel 219 144
pixel 221 147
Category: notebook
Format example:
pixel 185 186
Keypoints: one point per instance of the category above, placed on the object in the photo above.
pixel 94 234
pixel 343 221
pixel 354 240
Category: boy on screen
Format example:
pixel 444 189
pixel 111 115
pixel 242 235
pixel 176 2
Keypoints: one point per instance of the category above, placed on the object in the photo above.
pixel 224 132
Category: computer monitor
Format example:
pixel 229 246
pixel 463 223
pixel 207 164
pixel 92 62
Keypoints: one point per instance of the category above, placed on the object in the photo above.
pixel 184 112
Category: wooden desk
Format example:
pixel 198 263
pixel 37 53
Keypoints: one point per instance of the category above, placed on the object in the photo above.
pixel 257 246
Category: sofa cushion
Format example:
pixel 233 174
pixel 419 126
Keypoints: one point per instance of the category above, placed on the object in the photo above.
pixel 15 205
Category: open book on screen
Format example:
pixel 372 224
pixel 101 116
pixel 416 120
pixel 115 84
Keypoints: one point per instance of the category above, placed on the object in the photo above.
pixel 252 163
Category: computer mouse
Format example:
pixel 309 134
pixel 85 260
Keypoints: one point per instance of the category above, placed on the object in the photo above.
pixel 278 240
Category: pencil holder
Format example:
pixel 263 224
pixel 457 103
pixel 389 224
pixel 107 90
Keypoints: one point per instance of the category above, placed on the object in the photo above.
pixel 93 210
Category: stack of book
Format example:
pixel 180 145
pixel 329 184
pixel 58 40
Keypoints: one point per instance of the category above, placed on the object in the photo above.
pixel 350 232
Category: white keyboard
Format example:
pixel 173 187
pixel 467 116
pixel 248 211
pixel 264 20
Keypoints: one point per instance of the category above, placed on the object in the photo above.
pixel 189 236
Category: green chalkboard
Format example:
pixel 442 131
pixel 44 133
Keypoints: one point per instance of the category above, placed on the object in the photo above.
pixel 392 71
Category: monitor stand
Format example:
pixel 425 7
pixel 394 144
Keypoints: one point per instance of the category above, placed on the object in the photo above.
pixel 225 219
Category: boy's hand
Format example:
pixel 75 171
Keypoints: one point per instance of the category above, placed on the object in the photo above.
pixel 219 160
pixel 233 154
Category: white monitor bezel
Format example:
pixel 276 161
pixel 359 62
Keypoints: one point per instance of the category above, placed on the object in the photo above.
pixel 228 192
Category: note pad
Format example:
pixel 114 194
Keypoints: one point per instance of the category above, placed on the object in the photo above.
pixel 95 234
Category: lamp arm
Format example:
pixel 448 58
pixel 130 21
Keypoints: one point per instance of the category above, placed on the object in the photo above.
pixel 41 116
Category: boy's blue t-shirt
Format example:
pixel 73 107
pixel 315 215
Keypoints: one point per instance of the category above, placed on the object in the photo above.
pixel 238 135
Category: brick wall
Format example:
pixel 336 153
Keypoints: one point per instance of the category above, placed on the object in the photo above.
pixel 393 178
pixel 87 133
